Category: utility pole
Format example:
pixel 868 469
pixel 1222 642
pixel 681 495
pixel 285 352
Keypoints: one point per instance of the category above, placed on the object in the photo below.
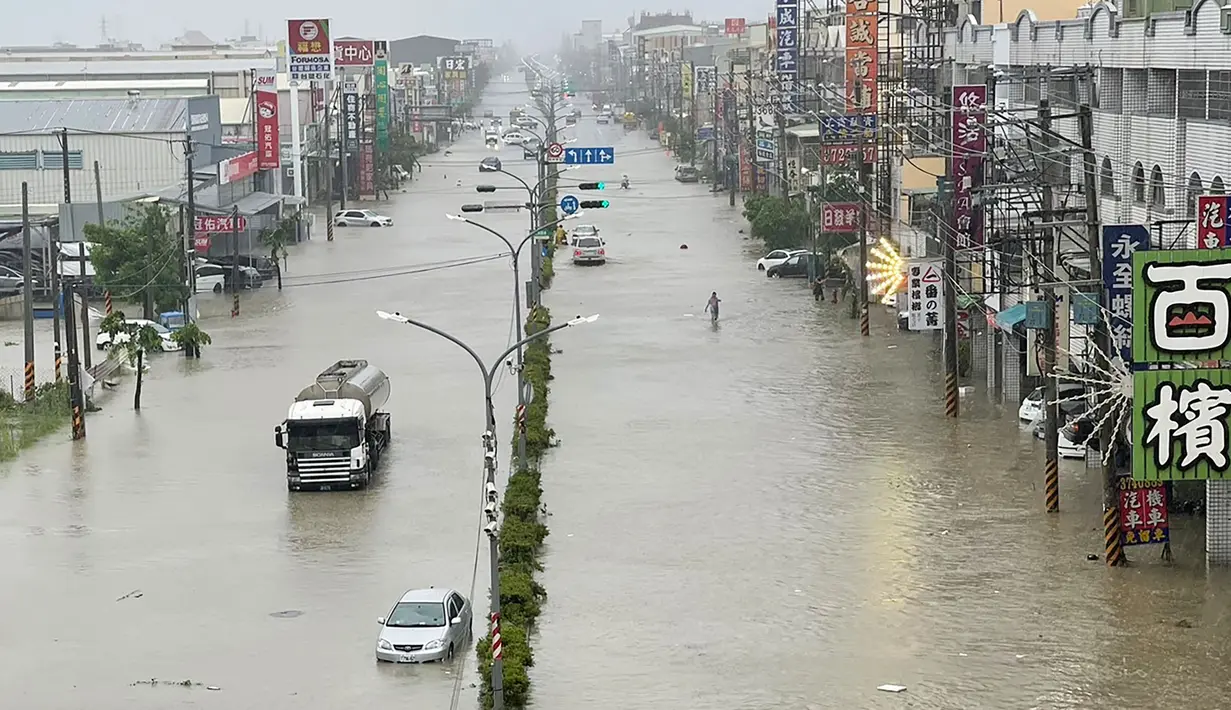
pixel 752 131
pixel 27 292
pixel 81 260
pixel 328 164
pixel 75 395
pixel 780 143
pixel 492 512
pixel 865 198
pixel 1051 434
pixel 947 236
pixel 1113 551
pixel 730 134
pixel 344 149
pixel 235 262
pixel 713 77
pixel 692 112
pixel 190 231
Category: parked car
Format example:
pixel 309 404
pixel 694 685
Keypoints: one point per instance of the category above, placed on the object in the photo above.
pixel 687 173
pixel 795 265
pixel 263 265
pixel 590 250
pixel 104 341
pixel 490 165
pixel 513 138
pixel 424 625
pixel 603 119
pixel 492 140
pixel 248 276
pixel 1033 407
pixel 210 279
pixel 776 257
pixel 12 282
pixel 1078 434
pixel 580 231
pixel 362 218
pixel 570 120
pixel 527 122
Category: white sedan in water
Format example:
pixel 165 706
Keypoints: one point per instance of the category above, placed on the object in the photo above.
pixel 776 257
pixel 362 218
pixel 104 341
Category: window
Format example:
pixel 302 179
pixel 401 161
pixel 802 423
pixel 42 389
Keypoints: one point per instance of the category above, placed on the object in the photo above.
pixel 1220 95
pixel 1107 179
pixel 1134 88
pixel 19 161
pixel 54 160
pixel 1190 195
pixel 921 206
pixel 1190 102
pixel 1216 187
pixel 1139 183
pixel 1158 191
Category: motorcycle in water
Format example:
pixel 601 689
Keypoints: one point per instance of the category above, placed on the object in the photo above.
pixel 624 184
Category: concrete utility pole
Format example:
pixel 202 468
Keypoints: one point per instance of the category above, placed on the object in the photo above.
pixel 190 237
pixel 730 135
pixel 1113 551
pixel 692 112
pixel 81 258
pixel 1051 435
pixel 235 286
pixel 27 292
pixel 752 132
pixel 865 198
pixel 53 279
pixel 947 237
pixel 328 163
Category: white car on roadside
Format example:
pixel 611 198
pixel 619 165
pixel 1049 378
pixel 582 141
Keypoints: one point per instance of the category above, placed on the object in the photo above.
pixel 210 279
pixel 776 257
pixel 362 218
pixel 1034 406
pixel 513 138
pixel 104 341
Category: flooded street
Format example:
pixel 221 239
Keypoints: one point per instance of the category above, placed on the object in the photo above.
pixel 772 513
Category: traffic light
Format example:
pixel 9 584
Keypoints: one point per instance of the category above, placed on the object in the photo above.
pixel 592 186
pixel 595 204
pixel 472 208
pixel 484 188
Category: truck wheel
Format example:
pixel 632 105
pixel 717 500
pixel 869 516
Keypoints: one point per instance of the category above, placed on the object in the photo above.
pixel 364 480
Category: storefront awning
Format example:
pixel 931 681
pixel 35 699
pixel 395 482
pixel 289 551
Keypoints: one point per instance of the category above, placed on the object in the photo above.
pixel 1011 316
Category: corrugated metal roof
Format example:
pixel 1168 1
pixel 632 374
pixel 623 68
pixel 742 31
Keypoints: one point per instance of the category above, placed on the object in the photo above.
pixel 147 67
pixel 234 112
pixel 162 115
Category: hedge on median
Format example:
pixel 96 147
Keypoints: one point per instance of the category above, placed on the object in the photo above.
pixel 522 533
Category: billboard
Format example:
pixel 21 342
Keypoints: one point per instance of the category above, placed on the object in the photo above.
pixel 786 53
pixel 735 25
pixel 265 97
pixel 203 123
pixel 969 145
pixel 309 50
pixel 354 52
pixel 380 80
pixel 862 58
pixel 350 115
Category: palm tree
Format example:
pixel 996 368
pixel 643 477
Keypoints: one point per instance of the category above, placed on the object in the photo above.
pixel 191 338
pixel 134 340
pixel 276 240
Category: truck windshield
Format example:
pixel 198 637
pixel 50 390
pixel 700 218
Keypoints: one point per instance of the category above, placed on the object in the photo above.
pixel 322 436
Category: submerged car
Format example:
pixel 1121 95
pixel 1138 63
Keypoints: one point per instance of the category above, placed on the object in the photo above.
pixel 104 340
pixel 362 218
pixel 687 173
pixel 490 165
pixel 590 250
pixel 424 625
pixel 795 265
pixel 1033 407
pixel 776 257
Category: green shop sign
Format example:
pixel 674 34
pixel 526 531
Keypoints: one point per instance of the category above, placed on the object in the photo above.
pixel 381 75
pixel 1180 424
pixel 1181 306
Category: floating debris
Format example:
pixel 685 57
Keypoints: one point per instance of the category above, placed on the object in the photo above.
pixel 288 614
pixel 891 688
pixel 154 681
pixel 134 594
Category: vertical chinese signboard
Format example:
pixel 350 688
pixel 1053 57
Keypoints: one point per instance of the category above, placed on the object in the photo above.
pixel 367 170
pixel 350 115
pixel 380 77
pixel 924 306
pixel 1143 512
pixel 786 53
pixel 1181 320
pixel 1120 242
pixel 265 97
pixel 969 145
pixel 454 72
pixel 309 51
pixel 687 90
pixel 1212 222
pixel 862 60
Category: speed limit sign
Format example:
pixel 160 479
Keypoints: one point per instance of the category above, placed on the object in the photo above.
pixel 555 153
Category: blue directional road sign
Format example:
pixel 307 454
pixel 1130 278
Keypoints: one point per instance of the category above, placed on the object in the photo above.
pixel 589 156
pixel 569 204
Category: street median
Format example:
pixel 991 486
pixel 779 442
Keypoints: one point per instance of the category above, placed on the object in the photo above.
pixel 522 533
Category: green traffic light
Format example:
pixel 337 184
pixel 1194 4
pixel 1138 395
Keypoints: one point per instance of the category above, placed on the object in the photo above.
pixel 605 204
pixel 602 186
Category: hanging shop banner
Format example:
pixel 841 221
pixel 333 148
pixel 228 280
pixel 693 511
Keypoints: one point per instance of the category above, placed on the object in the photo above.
pixel 1120 242
pixel 357 53
pixel 1143 512
pixel 1179 425
pixel 309 51
pixel 848 154
pixel 380 78
pixel 745 170
pixel 219 224
pixel 767 150
pixel 1181 306
pixel 367 170
pixel 862 59
pixel 350 115
pixel 706 79
pixel 1212 221
pixel 839 217
pixel 686 84
pixel 265 96
pixel 238 168
pixel 925 302
pixel 786 53
pixel 735 25
pixel 969 145
pixel 455 69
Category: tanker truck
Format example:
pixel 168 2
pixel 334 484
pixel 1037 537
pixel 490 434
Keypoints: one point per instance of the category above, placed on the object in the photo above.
pixel 335 433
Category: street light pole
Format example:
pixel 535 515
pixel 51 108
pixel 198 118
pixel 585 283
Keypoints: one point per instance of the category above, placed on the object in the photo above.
pixel 492 507
pixel 515 254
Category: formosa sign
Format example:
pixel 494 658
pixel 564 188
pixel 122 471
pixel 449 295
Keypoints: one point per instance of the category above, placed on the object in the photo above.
pixel 309 50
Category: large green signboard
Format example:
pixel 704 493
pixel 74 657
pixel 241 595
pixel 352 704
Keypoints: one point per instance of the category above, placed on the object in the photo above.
pixel 381 76
pixel 1181 306
pixel 1180 424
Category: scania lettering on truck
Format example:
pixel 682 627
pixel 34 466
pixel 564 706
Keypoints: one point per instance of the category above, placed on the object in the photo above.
pixel 335 433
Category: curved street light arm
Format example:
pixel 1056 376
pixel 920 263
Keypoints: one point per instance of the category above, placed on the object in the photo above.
pixel 524 184
pixel 487 375
pixel 489 230
pixel 536 336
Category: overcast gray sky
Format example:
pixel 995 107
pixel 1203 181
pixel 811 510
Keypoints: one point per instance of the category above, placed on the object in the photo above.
pixel 530 24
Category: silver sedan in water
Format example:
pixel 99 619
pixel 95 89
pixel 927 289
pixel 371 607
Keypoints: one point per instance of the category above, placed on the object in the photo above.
pixel 425 625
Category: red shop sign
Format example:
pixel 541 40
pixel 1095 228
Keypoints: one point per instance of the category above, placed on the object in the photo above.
pixel 218 224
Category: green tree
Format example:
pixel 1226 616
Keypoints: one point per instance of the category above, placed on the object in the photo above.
pixel 133 341
pixel 276 239
pixel 781 223
pixel 141 257
pixel 191 338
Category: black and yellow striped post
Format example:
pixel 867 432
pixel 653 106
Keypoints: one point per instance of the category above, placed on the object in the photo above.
pixel 78 423
pixel 951 406
pixel 235 305
pixel 107 300
pixel 328 229
pixel 1051 485
pixel 1113 550
pixel 865 328
pixel 59 358
pixel 29 382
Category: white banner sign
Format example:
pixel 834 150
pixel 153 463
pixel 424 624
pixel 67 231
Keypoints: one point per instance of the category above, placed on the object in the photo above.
pixel 925 294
